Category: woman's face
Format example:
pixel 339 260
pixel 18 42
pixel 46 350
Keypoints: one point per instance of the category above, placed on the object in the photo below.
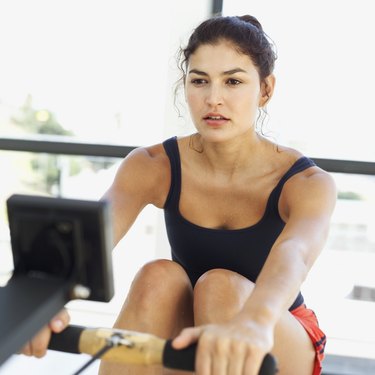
pixel 223 91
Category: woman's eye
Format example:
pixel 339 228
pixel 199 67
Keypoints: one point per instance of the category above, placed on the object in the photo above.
pixel 198 81
pixel 233 82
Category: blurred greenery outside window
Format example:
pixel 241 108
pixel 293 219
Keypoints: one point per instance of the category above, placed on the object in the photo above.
pixel 47 174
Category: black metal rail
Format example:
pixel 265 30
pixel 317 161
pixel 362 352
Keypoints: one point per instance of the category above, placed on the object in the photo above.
pixel 64 146
pixel 70 146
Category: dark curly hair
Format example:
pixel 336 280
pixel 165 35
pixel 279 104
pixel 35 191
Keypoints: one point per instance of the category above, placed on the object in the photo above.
pixel 246 34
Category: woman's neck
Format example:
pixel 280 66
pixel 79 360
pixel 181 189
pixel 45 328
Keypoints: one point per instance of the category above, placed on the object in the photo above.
pixel 233 156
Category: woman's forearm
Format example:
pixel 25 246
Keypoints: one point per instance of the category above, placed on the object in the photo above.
pixel 278 284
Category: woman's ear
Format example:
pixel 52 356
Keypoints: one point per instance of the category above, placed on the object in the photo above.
pixel 267 88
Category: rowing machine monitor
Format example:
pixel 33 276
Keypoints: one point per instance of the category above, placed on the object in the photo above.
pixel 61 251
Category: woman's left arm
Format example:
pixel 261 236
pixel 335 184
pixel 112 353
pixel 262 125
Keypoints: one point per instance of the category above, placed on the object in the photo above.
pixel 306 205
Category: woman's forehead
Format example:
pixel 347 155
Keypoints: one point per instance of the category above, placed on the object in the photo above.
pixel 222 56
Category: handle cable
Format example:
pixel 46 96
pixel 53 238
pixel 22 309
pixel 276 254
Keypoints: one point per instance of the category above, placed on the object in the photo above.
pixel 115 340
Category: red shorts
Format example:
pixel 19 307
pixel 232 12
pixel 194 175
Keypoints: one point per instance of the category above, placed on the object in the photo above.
pixel 309 321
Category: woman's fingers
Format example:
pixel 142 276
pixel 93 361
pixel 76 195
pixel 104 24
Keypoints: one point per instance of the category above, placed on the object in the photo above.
pixel 252 365
pixel 38 345
pixel 228 356
pixel 226 350
pixel 60 321
pixel 204 364
pixel 40 342
pixel 237 360
pixel 26 350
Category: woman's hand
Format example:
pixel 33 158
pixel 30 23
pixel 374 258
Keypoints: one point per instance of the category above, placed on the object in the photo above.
pixel 234 348
pixel 38 345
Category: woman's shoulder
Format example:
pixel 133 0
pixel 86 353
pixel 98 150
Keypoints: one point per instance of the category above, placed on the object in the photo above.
pixel 310 186
pixel 309 176
pixel 153 156
pixel 308 171
pixel 149 157
pixel 146 171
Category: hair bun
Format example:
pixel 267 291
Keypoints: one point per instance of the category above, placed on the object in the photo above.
pixel 252 20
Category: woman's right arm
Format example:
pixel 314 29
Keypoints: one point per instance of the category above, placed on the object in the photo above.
pixel 143 178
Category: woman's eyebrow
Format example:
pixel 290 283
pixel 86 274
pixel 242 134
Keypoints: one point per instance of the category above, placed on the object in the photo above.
pixel 233 71
pixel 226 73
pixel 198 72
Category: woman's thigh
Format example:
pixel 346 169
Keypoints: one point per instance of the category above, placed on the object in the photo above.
pixel 220 294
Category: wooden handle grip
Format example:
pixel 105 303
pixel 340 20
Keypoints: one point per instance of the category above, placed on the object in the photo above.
pixel 137 348
pixel 143 348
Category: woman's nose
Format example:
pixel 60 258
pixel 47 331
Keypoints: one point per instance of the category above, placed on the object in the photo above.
pixel 214 95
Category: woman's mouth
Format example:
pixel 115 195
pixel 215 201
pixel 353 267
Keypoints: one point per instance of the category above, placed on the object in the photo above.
pixel 215 120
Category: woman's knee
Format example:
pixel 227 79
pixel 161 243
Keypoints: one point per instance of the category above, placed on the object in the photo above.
pixel 158 280
pixel 219 294
pixel 161 268
pixel 221 281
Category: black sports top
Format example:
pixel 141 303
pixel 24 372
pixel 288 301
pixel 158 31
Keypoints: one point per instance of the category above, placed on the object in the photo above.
pixel 198 249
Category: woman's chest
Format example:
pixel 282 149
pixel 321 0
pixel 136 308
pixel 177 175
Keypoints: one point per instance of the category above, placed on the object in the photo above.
pixel 233 205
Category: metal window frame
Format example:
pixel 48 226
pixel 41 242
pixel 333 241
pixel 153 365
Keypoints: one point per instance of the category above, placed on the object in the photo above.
pixel 217 7
pixel 70 146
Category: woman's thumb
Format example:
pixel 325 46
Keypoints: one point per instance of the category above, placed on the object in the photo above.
pixel 187 337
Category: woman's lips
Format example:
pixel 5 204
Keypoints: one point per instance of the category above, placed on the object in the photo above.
pixel 215 119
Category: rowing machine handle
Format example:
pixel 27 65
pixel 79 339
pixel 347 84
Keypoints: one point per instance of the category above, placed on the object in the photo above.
pixel 184 359
pixel 148 349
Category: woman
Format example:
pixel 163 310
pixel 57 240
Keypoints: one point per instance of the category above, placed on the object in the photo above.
pixel 246 219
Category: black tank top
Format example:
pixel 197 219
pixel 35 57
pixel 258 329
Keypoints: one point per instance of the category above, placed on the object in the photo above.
pixel 198 249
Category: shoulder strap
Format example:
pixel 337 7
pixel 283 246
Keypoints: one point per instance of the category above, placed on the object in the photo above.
pixel 300 165
pixel 171 148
